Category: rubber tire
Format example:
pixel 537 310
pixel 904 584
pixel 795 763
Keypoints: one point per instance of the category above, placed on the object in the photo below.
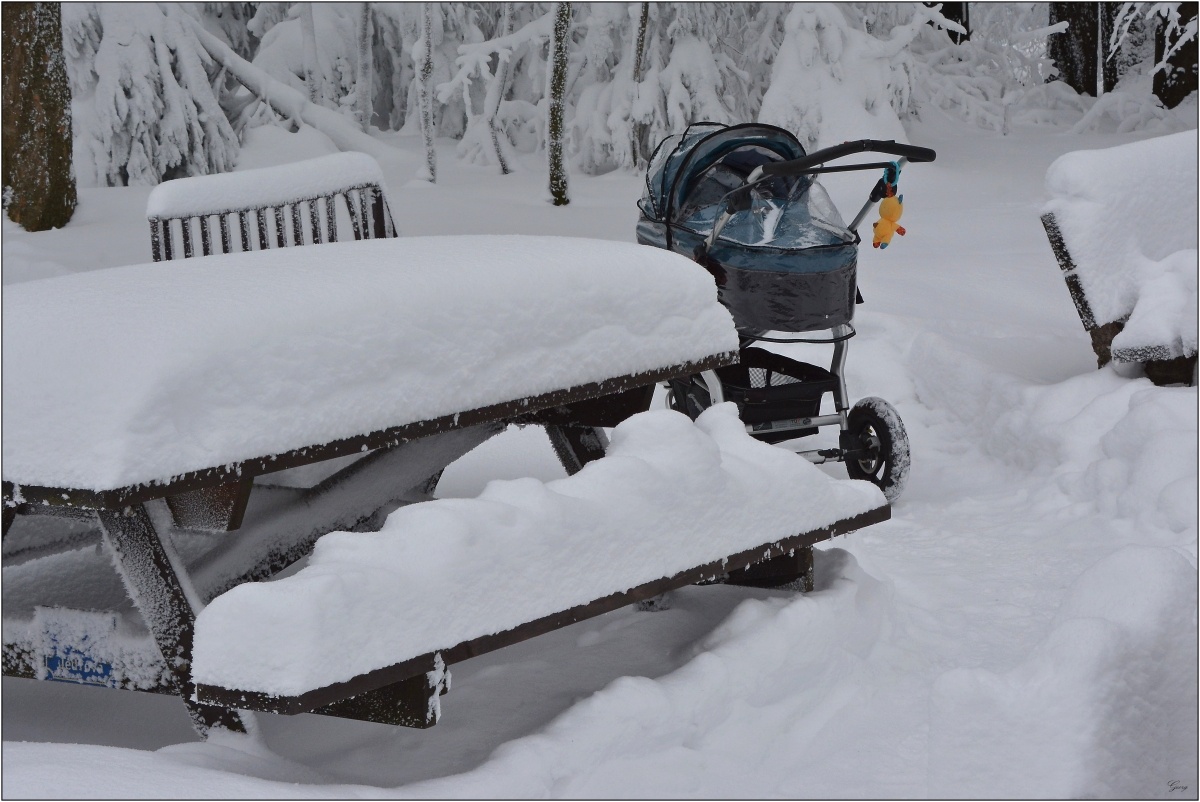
pixel 875 424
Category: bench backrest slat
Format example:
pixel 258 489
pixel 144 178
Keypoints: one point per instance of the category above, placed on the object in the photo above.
pixel 365 206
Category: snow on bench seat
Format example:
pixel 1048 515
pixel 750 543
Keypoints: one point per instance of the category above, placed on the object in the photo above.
pixel 1127 216
pixel 136 374
pixel 669 496
pixel 264 186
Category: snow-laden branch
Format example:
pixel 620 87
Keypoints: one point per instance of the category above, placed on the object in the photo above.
pixel 535 31
pixel 287 101
pixel 475 57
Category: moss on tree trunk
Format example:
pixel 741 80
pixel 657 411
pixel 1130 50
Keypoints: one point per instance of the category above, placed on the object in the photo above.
pixel 39 183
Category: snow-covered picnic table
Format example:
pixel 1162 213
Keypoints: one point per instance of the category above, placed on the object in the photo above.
pixel 378 362
pixel 141 374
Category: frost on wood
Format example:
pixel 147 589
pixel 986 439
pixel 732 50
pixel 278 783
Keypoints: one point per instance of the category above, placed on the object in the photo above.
pixel 39 181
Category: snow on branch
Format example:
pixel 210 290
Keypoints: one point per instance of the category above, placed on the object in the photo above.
pixel 289 102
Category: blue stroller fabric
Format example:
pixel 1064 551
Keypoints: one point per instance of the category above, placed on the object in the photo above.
pixel 787 263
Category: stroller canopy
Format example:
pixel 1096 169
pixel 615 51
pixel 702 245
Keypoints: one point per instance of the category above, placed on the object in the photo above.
pixel 681 161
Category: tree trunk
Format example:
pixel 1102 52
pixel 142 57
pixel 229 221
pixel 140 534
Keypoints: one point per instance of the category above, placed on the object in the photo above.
pixel 424 98
pixel 308 30
pixel 1081 52
pixel 495 92
pixel 363 84
pixel 1177 79
pixel 640 144
pixel 554 122
pixel 39 183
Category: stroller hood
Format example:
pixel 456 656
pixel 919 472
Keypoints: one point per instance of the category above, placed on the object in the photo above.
pixel 681 160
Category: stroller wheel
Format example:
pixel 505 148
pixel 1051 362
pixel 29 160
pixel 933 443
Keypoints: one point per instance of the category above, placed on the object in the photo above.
pixel 882 444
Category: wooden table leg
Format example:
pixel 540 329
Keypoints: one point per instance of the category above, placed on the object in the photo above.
pixel 156 588
pixel 576 446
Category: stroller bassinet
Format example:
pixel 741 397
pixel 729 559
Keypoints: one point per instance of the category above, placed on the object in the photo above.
pixel 787 261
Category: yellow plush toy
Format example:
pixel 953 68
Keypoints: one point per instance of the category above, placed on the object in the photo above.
pixel 890 210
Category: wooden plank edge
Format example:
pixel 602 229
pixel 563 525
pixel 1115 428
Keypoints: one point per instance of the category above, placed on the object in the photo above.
pixel 15 493
pixel 365 683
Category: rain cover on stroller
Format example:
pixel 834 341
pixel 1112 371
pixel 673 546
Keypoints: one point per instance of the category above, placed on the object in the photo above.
pixel 787 263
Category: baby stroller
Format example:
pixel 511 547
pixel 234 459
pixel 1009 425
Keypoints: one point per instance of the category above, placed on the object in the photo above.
pixel 742 201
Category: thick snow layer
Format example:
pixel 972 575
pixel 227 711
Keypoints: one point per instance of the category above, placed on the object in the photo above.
pixel 263 186
pixel 141 373
pixel 670 495
pixel 1121 651
pixel 1128 217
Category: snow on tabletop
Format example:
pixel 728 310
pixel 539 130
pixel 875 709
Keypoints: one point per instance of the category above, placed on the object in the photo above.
pixel 263 186
pixel 1128 217
pixel 669 496
pixel 135 374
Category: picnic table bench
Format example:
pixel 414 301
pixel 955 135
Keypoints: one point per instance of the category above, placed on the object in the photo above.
pixel 1122 225
pixel 207 421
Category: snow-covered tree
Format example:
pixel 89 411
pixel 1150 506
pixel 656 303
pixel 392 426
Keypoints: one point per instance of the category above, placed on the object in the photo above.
pixel 143 96
pixel 834 81
pixel 997 77
pixel 323 64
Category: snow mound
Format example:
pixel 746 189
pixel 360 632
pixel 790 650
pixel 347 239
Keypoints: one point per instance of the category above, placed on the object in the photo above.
pixel 757 691
pixel 263 186
pixel 140 373
pixel 1128 218
pixel 272 146
pixel 1127 448
pixel 1104 707
pixel 669 496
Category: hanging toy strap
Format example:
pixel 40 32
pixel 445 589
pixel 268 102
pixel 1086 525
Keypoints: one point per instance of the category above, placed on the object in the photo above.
pixel 891 179
pixel 888 184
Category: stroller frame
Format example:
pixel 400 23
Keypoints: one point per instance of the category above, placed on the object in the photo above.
pixel 872 441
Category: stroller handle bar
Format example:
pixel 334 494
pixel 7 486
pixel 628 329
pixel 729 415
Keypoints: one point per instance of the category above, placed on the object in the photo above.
pixel 804 164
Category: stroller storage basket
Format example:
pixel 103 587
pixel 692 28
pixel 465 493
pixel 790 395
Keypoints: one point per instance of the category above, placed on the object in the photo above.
pixel 769 388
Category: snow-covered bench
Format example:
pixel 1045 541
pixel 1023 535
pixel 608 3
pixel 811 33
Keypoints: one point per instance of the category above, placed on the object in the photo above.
pixel 1122 224
pixel 332 381
pixel 345 186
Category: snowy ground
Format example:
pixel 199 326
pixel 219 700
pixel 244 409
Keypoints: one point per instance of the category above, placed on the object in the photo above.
pixel 1023 626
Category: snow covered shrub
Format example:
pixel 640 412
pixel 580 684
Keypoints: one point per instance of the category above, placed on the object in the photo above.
pixel 998 76
pixel 284 55
pixel 143 100
pixel 833 80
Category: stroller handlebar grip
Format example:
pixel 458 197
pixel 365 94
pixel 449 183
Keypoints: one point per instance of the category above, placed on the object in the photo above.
pixel 799 166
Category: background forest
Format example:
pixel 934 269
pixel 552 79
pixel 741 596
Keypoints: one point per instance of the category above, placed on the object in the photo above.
pixel 160 90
